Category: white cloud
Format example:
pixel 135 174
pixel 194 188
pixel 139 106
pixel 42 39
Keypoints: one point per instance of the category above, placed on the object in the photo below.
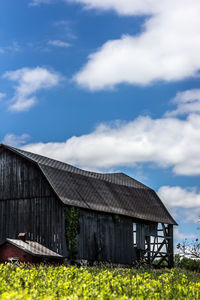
pixel 15 140
pixel 14 47
pixel 182 203
pixel 2 95
pixel 166 142
pixel 187 102
pixel 59 43
pixel 29 81
pixel 168 49
pixel 176 196
pixel 161 141
pixel 66 25
pixel 125 7
pixel 38 2
pixel 182 236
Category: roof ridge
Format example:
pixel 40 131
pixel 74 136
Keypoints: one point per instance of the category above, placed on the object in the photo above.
pixel 115 193
pixel 107 177
pixel 56 164
pixel 54 160
pixel 135 180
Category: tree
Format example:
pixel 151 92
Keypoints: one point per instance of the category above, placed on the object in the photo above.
pixel 189 249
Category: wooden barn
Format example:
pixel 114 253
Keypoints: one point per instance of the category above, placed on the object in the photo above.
pixel 79 214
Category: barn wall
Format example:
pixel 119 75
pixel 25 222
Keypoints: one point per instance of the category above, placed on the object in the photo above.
pixel 101 239
pixel 28 204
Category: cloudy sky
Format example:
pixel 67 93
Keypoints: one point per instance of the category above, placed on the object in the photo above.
pixel 108 85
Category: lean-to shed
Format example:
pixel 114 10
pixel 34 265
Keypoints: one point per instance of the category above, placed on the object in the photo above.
pixel 81 214
pixel 25 251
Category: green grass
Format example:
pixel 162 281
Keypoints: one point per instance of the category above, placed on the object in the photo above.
pixel 48 282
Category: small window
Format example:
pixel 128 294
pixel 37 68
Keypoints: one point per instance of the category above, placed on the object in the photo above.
pixel 13 260
pixel 134 235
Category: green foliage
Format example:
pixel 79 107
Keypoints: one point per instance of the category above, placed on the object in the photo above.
pixel 72 230
pixel 187 263
pixel 116 219
pixel 141 264
pixel 189 248
pixel 70 283
pixel 163 263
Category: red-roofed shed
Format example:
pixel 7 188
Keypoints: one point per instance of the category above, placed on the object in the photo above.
pixel 27 252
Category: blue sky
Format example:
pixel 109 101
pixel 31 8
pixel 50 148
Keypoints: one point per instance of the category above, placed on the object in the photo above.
pixel 108 85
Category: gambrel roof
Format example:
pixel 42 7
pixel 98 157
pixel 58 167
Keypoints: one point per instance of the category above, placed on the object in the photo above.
pixel 114 193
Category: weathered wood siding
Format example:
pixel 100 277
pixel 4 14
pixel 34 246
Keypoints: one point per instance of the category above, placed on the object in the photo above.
pixel 28 204
pixel 101 239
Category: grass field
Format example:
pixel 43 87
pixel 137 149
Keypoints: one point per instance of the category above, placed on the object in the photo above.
pixel 48 282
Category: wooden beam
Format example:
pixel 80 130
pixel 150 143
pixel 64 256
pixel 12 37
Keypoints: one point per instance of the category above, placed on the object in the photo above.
pixel 159 248
pixel 161 261
pixel 171 247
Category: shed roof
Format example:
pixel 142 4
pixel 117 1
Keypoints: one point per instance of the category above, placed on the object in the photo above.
pixel 34 248
pixel 115 193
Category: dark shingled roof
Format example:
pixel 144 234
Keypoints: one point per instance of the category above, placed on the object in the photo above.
pixel 114 193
